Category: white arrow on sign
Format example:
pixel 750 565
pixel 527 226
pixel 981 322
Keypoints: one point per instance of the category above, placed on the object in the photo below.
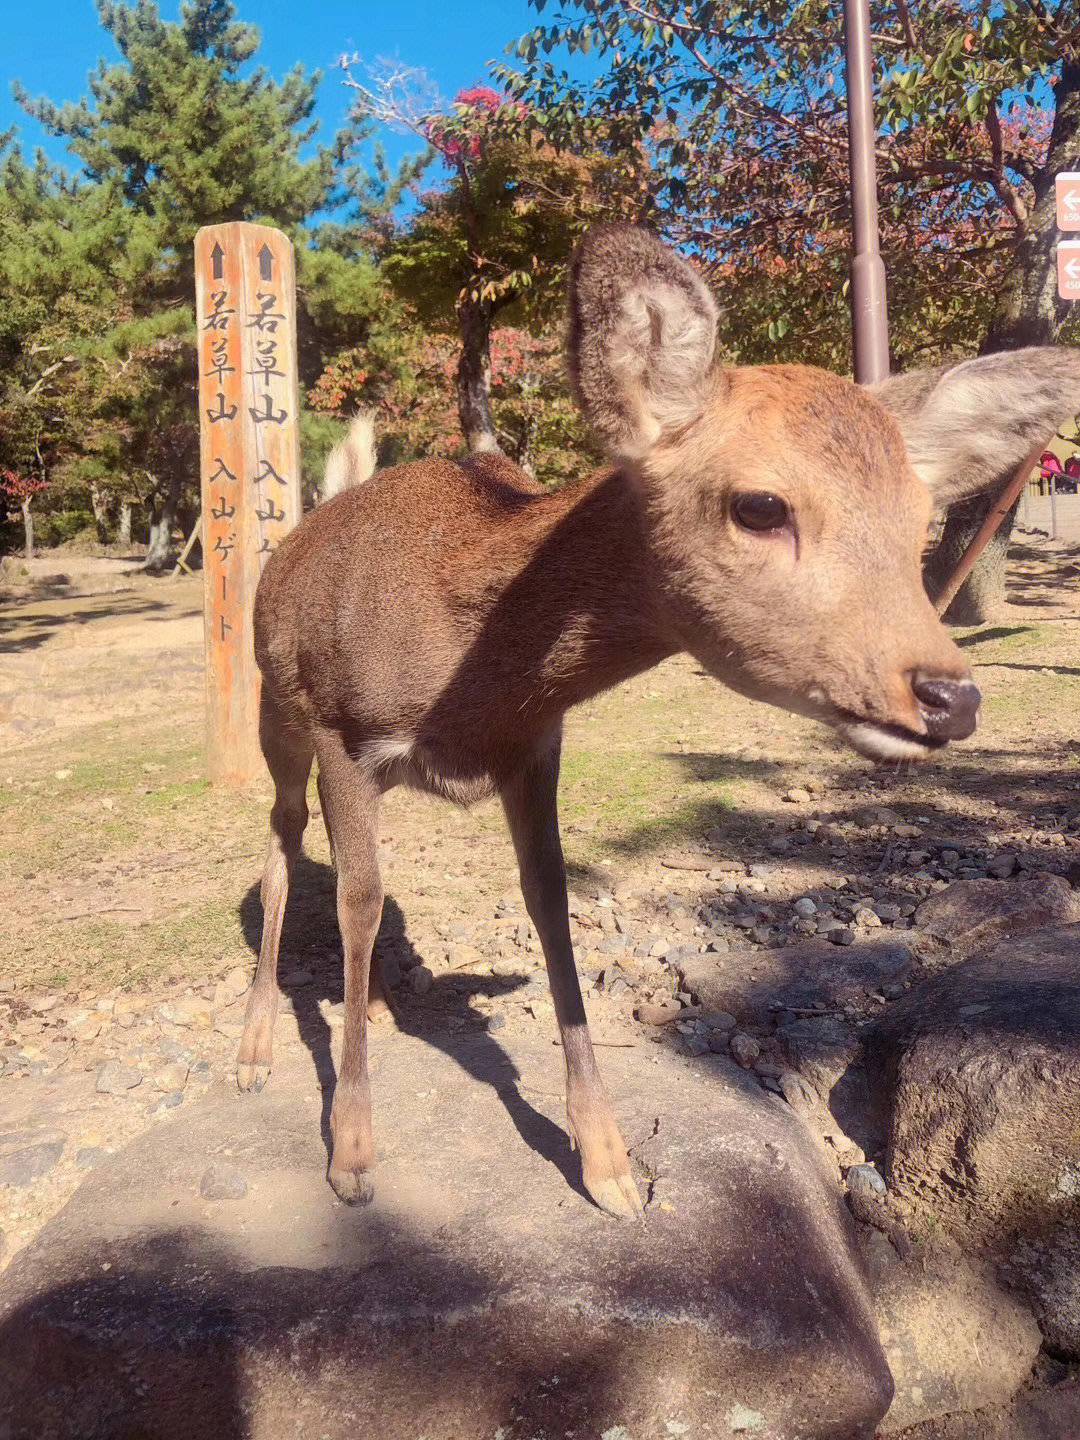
pixel 1072 200
pixel 1072 269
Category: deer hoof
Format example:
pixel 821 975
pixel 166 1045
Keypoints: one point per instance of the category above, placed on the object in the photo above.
pixel 252 1078
pixel 355 1188
pixel 617 1195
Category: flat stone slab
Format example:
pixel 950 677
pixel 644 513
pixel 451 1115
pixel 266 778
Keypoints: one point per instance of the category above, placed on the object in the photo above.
pixel 481 1294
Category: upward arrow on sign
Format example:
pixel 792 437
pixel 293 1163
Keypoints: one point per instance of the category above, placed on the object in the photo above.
pixel 217 255
pixel 266 263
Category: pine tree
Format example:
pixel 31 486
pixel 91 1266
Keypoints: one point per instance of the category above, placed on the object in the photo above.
pixel 181 132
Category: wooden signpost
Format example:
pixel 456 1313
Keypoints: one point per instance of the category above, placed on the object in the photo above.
pixel 250 462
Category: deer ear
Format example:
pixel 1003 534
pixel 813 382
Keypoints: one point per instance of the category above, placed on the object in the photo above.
pixel 642 338
pixel 969 427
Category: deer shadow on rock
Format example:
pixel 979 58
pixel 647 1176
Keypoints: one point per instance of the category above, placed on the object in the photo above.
pixel 443 1018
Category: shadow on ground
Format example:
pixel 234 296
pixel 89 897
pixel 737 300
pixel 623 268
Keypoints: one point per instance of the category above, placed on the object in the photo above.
pixel 31 631
pixel 445 1020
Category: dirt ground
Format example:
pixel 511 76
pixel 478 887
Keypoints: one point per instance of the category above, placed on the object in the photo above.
pixel 128 884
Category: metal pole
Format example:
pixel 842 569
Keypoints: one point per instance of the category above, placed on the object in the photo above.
pixel 870 321
pixel 1053 505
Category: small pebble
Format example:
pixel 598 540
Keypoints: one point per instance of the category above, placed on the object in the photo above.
pixel 842 936
pixel 744 1048
pixel 114 1078
pixel 22 1166
pixel 171 1077
pixel 805 907
pixel 661 1013
pixel 865 1179
pixel 421 979
pixel 719 1020
pixel 237 980
pixel 222 1182
pixel 496 1021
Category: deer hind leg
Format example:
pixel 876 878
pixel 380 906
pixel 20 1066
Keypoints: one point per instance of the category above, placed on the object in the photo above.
pixel 288 755
pixel 529 801
pixel 380 1007
pixel 350 800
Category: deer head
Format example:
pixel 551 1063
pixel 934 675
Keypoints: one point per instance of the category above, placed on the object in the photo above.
pixel 784 521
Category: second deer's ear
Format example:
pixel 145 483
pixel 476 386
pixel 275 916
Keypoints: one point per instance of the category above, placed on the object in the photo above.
pixel 642 338
pixel 968 427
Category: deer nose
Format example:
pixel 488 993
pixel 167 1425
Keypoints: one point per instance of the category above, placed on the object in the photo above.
pixel 949 708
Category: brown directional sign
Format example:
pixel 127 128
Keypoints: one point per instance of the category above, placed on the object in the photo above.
pixel 250 459
pixel 1067 194
pixel 1068 268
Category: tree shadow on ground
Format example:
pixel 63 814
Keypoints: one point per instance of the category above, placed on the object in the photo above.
pixel 442 1018
pixel 988 780
pixel 35 630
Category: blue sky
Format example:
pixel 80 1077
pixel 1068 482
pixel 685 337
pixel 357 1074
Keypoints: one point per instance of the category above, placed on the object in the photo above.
pixel 51 47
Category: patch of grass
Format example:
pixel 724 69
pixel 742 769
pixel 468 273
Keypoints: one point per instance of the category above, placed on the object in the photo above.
pixel 169 796
pixel 638 801
pixel 104 953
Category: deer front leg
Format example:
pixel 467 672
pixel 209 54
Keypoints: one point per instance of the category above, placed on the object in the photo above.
pixel 529 801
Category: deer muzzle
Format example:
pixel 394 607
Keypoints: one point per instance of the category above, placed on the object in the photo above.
pixel 949 707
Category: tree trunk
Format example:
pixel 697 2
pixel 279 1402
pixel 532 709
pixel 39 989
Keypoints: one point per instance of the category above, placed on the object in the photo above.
pixel 124 537
pixel 981 597
pixel 1029 311
pixel 28 527
pixel 162 520
pixel 474 377
pixel 99 503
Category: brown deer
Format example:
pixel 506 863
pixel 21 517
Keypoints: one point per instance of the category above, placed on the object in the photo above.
pixel 431 627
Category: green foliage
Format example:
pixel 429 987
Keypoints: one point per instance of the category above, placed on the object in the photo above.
pixel 436 296
pixel 97 330
pixel 184 137
pixel 742 108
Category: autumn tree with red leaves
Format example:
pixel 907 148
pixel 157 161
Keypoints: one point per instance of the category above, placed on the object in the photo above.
pixel 494 240
pixel 18 491
pixel 743 111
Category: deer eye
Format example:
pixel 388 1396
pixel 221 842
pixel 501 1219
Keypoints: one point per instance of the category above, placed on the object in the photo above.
pixel 759 510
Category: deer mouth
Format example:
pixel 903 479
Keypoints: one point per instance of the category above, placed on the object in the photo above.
pixel 878 741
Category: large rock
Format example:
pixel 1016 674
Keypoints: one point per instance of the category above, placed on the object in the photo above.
pixel 753 984
pixel 481 1292
pixel 980 1070
pixel 1040 1413
pixel 956 1340
pixel 970 915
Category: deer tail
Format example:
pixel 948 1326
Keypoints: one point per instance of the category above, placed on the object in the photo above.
pixel 352 462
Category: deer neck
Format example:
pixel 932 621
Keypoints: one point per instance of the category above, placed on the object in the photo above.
pixel 578 611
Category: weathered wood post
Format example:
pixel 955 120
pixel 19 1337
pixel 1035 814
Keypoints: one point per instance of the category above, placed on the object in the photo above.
pixel 250 461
